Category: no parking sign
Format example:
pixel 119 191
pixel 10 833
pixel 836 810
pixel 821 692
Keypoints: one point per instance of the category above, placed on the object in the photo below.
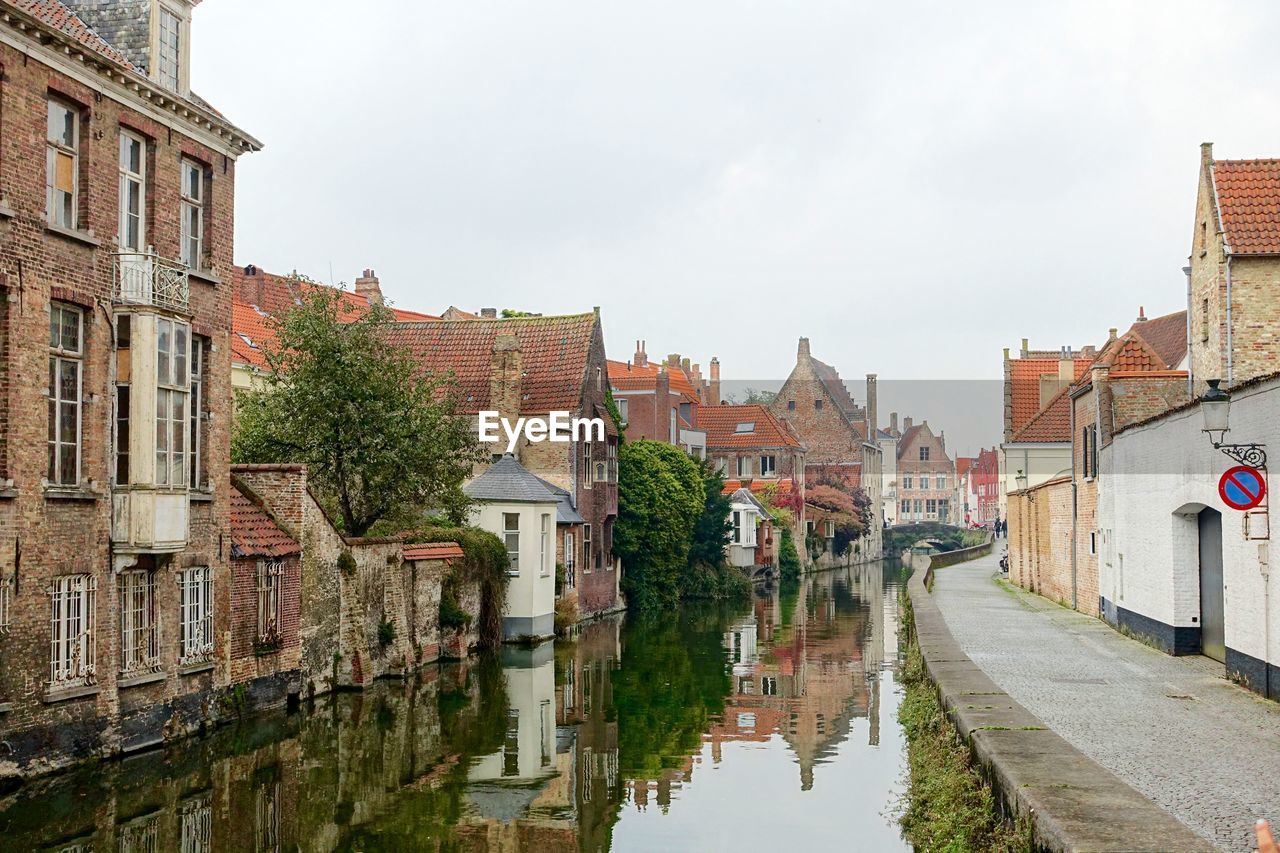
pixel 1242 487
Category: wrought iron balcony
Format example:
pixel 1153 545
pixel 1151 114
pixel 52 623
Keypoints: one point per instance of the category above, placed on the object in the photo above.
pixel 145 278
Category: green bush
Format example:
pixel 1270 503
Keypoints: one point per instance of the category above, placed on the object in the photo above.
pixel 484 560
pixel 788 558
pixel 386 633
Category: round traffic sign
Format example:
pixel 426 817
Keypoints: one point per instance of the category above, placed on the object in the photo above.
pixel 1242 487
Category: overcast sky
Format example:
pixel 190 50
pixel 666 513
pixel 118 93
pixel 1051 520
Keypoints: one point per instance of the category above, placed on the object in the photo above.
pixel 913 186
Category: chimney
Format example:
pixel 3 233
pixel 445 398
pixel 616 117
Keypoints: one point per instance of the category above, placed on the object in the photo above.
pixel 662 407
pixel 488 313
pixel 641 357
pixel 684 365
pixel 1111 333
pixel 1206 154
pixel 803 351
pixel 251 285
pixel 906 424
pixel 368 287
pixel 1025 351
pixel 696 375
pixel 715 381
pixel 504 376
pixel 942 439
pixel 1142 315
pixel 1066 366
pixel 673 359
pixel 1006 353
pixel 893 422
pixel 872 423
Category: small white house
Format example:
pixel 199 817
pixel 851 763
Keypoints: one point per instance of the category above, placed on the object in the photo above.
pixel 746 513
pixel 521 511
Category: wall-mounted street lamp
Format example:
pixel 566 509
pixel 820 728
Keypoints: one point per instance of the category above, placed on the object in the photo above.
pixel 1020 480
pixel 1215 407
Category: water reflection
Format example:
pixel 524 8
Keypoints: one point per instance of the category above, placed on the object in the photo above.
pixel 717 727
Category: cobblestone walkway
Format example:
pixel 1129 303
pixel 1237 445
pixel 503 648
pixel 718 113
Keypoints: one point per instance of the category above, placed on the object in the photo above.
pixel 1173 728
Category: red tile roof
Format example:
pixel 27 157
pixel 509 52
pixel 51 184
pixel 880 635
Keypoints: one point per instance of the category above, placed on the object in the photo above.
pixel 433 551
pixel 963 464
pixel 254 533
pixel 784 486
pixel 721 424
pixel 1166 335
pixel 1024 380
pixel 555 355
pixel 258 297
pixel 54 14
pixel 1051 424
pixel 1248 194
pixel 625 376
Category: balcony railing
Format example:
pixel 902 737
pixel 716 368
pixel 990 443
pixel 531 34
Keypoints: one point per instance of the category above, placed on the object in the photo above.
pixel 145 278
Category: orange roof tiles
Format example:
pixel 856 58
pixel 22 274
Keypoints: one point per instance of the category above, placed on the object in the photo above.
pixel 1024 379
pixel 1248 195
pixel 1166 335
pixel 260 296
pixel 784 486
pixel 1051 424
pixel 433 551
pixel 625 376
pixel 254 533
pixel 721 425
pixel 56 15
pixel 555 354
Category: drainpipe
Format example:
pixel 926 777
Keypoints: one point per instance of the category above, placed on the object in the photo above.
pixel 1191 365
pixel 1230 360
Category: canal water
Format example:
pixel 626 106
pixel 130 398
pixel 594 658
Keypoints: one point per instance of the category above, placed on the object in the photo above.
pixel 763 725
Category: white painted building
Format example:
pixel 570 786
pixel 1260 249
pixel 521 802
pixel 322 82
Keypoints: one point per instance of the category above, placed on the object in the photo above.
pixel 518 508
pixel 746 513
pixel 529 748
pixel 1175 563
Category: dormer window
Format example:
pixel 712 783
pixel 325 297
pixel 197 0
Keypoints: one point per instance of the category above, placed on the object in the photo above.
pixel 169 50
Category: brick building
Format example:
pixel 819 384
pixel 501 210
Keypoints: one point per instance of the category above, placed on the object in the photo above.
pixel 116 205
pixel 926 476
pixel 984 482
pixel 834 429
pixel 532 366
pixel 660 402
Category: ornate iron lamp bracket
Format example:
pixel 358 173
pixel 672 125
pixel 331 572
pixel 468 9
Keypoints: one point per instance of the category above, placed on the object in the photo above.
pixel 1253 455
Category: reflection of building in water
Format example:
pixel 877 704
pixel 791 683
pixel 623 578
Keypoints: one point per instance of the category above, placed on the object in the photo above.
pixel 806 674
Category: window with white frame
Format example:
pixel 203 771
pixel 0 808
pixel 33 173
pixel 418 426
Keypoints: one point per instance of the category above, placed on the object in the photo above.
pixel 173 381
pixel 586 549
pixel 749 529
pixel 169 56
pixel 622 403
pixel 907 481
pixel 545 557
pixel 192 225
pixel 195 444
pixel 737 526
pixel 924 454
pixel 570 581
pixel 139 646
pixel 6 604
pixel 133 181
pixel 73 645
pixel 924 481
pixel 195 817
pixel 588 469
pixel 270 573
pixel 942 481
pixel 744 466
pixel 511 536
pixel 613 461
pixel 62 165
pixel 675 431
pixel 195 610
pixel 768 466
pixel 124 324
pixel 66 353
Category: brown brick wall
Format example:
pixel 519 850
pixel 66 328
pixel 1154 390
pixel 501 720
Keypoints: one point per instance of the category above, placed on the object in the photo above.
pixel 246 663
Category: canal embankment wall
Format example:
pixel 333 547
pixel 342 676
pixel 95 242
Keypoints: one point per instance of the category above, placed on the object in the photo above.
pixel 1073 802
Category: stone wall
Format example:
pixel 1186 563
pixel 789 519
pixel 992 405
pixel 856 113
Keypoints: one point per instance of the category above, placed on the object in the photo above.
pixel 1040 545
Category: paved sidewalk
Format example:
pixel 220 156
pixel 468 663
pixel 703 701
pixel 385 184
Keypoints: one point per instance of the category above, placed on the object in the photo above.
pixel 1173 728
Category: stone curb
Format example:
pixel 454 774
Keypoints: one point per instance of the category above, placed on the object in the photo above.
pixel 1075 803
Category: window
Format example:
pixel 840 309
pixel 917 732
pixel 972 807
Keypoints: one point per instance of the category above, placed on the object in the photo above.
pixel 195 819
pixel 944 507
pixel 817 405
pixel 511 536
pixel 139 646
pixel 66 333
pixel 588 469
pixel 924 482
pixel 124 370
pixel 924 454
pixel 1204 321
pixel 1089 450
pixel 905 507
pixel 749 529
pixel 612 450
pixel 62 165
pixel 675 431
pixel 621 403
pixel 737 526
pixel 269 575
pixel 172 378
pixel 906 481
pixel 192 213
pixel 768 466
pixel 73 652
pixel 744 466
pixel 196 614
pixel 748 426
pixel 195 441
pixel 569 580
pixel 769 686
pixel 1093 542
pixel 133 180
pixel 791 405
pixel 942 482
pixel 169 58
pixel 931 506
pixel 829 528
pixel 6 604
pixel 545 546
pixel 586 549
pixel 919 506
pixel 511 744
pixel 722 465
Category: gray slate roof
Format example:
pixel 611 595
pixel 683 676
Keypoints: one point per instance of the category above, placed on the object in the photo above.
pixel 565 513
pixel 507 481
pixel 744 496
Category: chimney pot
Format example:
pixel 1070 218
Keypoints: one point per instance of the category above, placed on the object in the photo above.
pixel 803 349
pixel 489 313
pixel 1025 350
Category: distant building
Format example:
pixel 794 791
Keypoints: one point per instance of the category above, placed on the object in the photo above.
pixel 660 402
pixel 926 476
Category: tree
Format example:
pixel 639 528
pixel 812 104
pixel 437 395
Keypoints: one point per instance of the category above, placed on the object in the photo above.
pixel 788 557
pixel 752 396
pixel 713 526
pixel 381 441
pixel 661 496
